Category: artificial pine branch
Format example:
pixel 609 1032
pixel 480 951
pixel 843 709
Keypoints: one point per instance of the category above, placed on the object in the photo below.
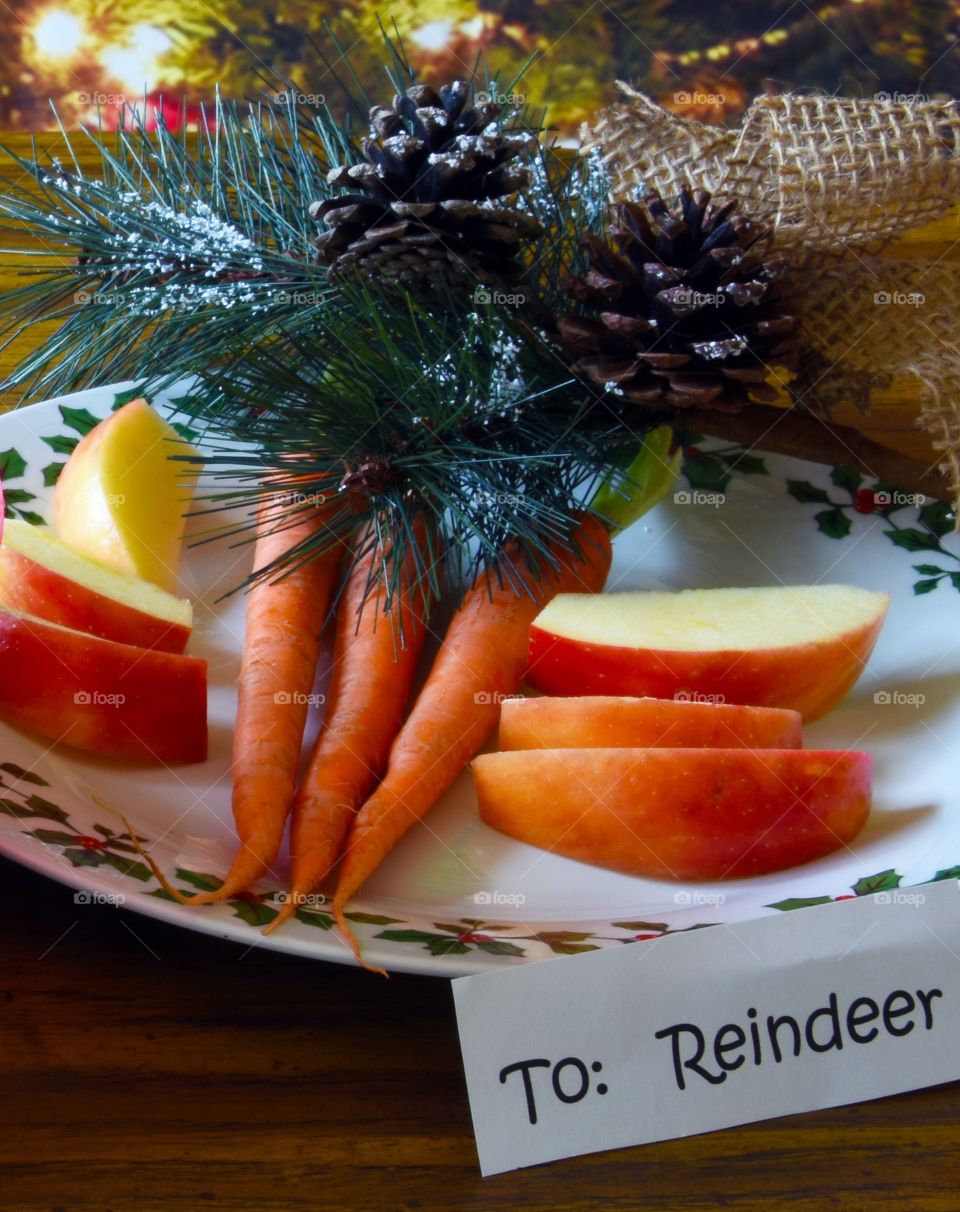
pixel 407 409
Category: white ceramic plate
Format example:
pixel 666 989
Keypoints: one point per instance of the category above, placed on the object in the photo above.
pixel 456 897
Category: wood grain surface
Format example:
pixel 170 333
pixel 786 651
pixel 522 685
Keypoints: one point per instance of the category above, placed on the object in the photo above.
pixel 143 1067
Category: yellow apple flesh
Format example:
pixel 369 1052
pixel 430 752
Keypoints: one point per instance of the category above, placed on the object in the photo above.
pixel 122 499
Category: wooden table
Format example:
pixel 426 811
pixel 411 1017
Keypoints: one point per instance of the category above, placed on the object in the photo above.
pixel 144 1067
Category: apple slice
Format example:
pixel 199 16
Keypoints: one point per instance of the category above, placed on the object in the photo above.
pixel 40 575
pixel 104 697
pixel 799 646
pixel 689 814
pixel 122 496
pixel 605 721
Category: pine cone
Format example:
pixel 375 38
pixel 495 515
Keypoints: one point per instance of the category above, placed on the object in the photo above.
pixel 681 306
pixel 432 198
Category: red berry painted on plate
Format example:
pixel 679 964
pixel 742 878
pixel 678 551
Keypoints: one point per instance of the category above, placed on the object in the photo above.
pixel 865 501
pixel 92 843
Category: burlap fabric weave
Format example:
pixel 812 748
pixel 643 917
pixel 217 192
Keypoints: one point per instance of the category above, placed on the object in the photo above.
pixel 836 178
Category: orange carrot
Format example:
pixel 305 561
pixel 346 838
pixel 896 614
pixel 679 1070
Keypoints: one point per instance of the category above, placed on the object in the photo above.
pixel 281 646
pixel 374 661
pixel 483 658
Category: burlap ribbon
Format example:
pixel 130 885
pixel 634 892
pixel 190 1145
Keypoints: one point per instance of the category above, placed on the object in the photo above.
pixel 836 178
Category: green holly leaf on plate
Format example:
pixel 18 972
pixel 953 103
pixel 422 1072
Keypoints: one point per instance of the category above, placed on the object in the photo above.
pixel 947 873
pixel 12 808
pixel 199 879
pixel 800 902
pixel 746 464
pixel 81 857
pixel 52 837
pixel 807 493
pixel 59 443
pixel 929 570
pixel 51 473
pixel 78 419
pixel 129 867
pixel 185 432
pixel 25 776
pixel 833 522
pixel 436 944
pixel 662 927
pixel 847 478
pixel 883 881
pixel 913 540
pixel 253 912
pixel 46 808
pixel 12 464
pixel 937 517
pixel 371 919
pixel 707 473
pixel 314 917
pixel 124 397
pixel 498 946
pixel 17 496
pixel 920 587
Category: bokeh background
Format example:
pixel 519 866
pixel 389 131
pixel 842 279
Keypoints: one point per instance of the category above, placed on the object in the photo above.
pixel 703 57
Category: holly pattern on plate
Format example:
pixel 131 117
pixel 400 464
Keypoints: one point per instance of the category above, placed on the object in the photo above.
pixel 922 529
pixel 22 799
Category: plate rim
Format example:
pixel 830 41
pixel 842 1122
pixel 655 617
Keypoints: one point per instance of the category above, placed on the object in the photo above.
pixel 326 945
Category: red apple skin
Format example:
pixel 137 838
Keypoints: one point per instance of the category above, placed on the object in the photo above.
pixel 604 721
pixel 103 697
pixel 809 678
pixel 685 814
pixel 31 588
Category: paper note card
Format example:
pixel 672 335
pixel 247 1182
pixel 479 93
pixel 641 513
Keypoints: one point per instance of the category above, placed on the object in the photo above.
pixel 700 1030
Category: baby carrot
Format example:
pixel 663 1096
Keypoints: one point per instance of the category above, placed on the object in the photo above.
pixel 375 657
pixel 284 619
pixel 483 658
